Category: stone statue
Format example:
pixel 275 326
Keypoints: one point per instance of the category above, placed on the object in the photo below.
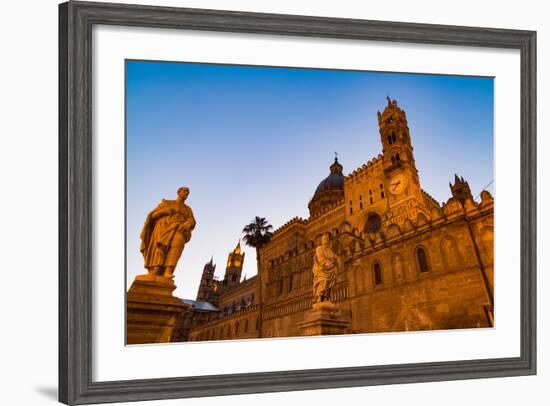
pixel 325 267
pixel 166 231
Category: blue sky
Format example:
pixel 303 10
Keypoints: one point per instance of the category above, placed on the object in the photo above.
pixel 253 141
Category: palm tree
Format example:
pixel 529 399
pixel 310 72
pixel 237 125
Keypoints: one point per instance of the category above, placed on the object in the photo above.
pixel 257 234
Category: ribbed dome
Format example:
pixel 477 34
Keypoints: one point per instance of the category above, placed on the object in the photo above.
pixel 330 190
pixel 334 181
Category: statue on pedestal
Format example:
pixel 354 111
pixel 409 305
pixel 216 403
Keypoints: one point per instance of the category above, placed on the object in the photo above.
pixel 325 267
pixel 166 231
pixel 325 317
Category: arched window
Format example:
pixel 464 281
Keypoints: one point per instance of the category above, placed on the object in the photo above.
pixel 246 326
pixel 397 159
pixel 377 269
pixel 422 260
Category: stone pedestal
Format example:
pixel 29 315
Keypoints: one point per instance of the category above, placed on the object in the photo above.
pixel 325 318
pixel 151 310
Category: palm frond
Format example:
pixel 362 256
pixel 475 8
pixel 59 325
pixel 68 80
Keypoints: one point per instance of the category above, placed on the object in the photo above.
pixel 258 232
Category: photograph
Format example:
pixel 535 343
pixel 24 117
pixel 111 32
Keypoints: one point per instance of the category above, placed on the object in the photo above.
pixel 270 202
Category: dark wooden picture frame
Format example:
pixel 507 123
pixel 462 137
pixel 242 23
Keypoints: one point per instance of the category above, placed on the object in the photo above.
pixel 76 20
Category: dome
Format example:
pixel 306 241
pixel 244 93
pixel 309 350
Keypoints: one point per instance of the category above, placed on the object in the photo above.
pixel 330 190
pixel 333 181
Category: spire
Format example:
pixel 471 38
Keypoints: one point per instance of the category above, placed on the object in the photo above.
pixel 237 249
pixel 460 189
pixel 234 266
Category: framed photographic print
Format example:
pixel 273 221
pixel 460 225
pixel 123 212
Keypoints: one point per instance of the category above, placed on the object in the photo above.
pixel 346 202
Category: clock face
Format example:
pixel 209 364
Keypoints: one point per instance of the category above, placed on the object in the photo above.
pixel 398 183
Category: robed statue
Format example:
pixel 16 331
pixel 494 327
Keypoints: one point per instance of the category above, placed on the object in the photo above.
pixel 166 231
pixel 325 268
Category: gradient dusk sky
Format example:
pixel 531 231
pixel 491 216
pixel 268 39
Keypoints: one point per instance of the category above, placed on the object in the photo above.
pixel 253 141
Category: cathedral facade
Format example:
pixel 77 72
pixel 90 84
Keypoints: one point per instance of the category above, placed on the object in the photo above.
pixel 407 262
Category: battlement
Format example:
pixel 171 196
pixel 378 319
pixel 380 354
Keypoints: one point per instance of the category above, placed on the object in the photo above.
pixel 431 199
pixel 288 224
pixel 244 284
pixel 373 165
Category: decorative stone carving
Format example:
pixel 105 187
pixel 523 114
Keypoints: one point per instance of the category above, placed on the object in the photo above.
pixel 436 214
pixel 421 220
pixel 408 226
pixel 393 230
pixel 470 206
pixel 486 199
pixel 166 231
pixel 453 206
pixel 325 268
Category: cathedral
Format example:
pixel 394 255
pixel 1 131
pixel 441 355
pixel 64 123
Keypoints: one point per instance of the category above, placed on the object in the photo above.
pixel 408 262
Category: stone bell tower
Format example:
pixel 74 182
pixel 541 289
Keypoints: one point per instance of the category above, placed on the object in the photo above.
pixel 396 139
pixel 205 287
pixel 405 196
pixel 234 267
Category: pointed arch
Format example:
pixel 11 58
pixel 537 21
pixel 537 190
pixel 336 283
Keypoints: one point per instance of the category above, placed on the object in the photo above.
pixel 422 260
pixel 450 253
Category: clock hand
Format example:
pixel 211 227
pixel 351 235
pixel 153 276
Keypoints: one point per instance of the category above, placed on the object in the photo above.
pixel 395 185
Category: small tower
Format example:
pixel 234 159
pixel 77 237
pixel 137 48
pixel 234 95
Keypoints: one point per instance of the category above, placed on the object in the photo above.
pixel 205 287
pixel 461 189
pixel 234 267
pixel 395 138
